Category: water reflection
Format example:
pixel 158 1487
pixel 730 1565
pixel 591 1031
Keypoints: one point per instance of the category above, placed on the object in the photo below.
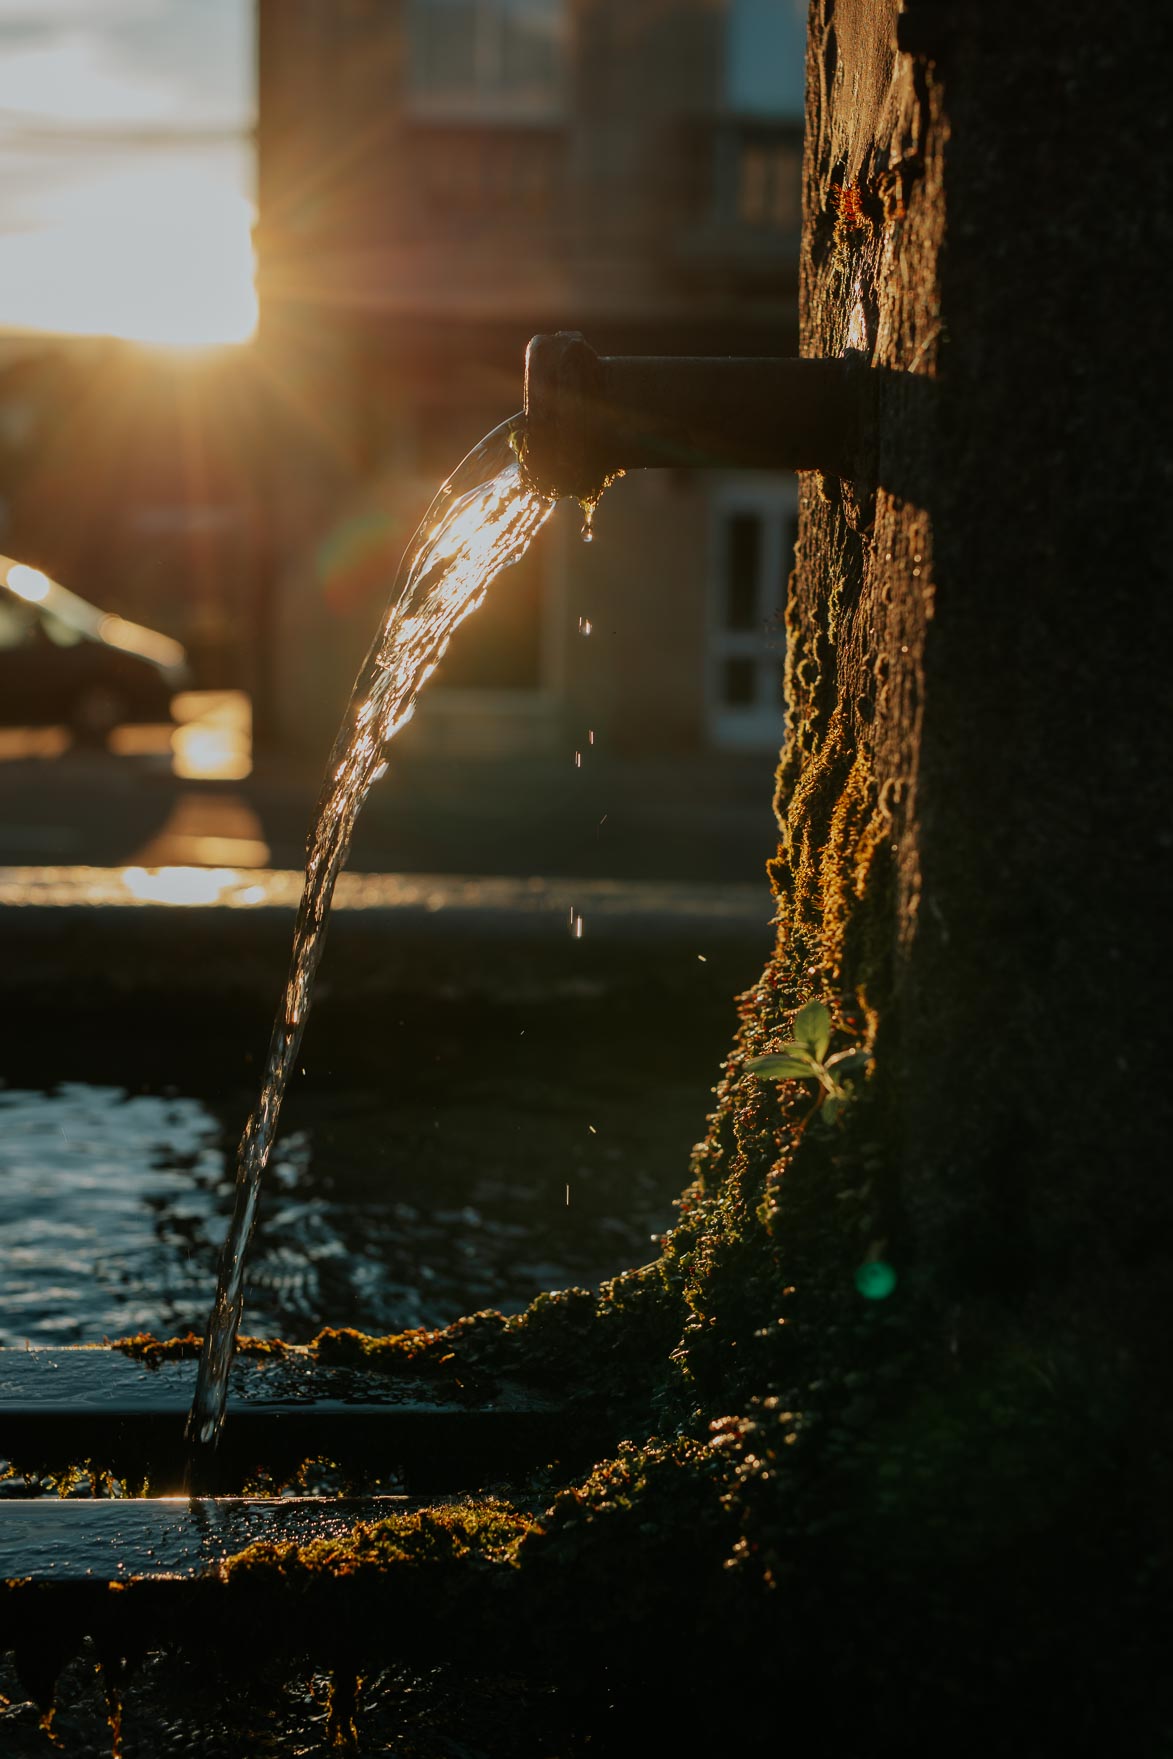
pixel 103 1203
pixel 179 885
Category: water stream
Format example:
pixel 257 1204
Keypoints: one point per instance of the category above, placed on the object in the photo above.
pixel 482 520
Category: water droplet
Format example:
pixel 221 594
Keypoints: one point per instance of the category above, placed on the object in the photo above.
pixel 584 626
pixel 591 737
pixel 588 536
pixel 578 760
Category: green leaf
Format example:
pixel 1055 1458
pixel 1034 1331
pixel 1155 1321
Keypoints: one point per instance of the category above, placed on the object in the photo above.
pixel 812 1029
pixel 830 1108
pixel 780 1067
pixel 848 1062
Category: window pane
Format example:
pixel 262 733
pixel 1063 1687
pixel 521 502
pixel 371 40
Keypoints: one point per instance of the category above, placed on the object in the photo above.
pixel 743 550
pixel 443 43
pixel 477 52
pixel 529 49
pixel 737 683
pixel 765 57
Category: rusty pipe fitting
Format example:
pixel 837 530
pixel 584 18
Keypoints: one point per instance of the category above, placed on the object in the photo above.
pixel 588 416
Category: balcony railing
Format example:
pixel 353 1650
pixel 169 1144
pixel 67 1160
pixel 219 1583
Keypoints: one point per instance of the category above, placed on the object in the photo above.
pixel 489 177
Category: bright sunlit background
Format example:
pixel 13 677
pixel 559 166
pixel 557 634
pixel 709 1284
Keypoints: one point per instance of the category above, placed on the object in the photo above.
pixel 126 169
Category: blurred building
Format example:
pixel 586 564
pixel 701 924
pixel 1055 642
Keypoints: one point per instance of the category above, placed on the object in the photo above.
pixel 440 179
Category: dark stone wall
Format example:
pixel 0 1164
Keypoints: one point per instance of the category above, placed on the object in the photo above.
pixel 982 624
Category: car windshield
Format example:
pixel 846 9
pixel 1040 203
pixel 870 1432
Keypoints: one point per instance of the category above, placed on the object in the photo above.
pixel 16 622
pixel 60 633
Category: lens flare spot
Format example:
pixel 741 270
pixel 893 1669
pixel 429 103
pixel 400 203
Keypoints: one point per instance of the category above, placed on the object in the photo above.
pixel 875 1280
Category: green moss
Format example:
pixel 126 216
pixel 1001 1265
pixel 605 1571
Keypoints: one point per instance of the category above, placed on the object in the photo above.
pixel 606 1334
pixel 475 1534
pixel 143 1346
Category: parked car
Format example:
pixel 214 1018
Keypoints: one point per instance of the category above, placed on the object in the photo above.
pixel 63 660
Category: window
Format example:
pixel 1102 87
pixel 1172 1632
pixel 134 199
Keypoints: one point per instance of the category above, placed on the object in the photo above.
pixel 487 57
pixel 768 184
pixel 754 530
pixel 765 57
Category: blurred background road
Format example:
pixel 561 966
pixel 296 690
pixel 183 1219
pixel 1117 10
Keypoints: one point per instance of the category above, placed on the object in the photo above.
pixel 192 795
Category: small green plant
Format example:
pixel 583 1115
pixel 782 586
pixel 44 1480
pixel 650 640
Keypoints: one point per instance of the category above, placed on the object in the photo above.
pixel 804 1058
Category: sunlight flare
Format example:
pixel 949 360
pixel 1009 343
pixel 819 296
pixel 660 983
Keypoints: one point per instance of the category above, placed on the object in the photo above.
pixel 158 254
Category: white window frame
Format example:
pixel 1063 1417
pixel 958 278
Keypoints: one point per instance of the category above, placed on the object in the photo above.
pixel 756 726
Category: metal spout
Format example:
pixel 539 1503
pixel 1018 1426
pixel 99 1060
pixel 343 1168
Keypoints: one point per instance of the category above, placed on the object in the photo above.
pixel 589 416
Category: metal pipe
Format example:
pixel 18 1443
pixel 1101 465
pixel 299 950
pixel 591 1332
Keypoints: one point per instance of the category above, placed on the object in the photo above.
pixel 589 416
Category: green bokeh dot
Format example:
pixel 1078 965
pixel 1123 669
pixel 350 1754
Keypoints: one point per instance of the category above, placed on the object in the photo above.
pixel 875 1280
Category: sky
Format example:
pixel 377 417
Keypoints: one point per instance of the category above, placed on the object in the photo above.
pixel 126 167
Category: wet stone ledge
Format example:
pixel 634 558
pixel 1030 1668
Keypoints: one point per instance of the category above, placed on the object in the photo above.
pixel 199 932
pixel 126 1416
pixel 53 1540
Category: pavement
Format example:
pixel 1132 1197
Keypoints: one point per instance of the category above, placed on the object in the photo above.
pixel 706 819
